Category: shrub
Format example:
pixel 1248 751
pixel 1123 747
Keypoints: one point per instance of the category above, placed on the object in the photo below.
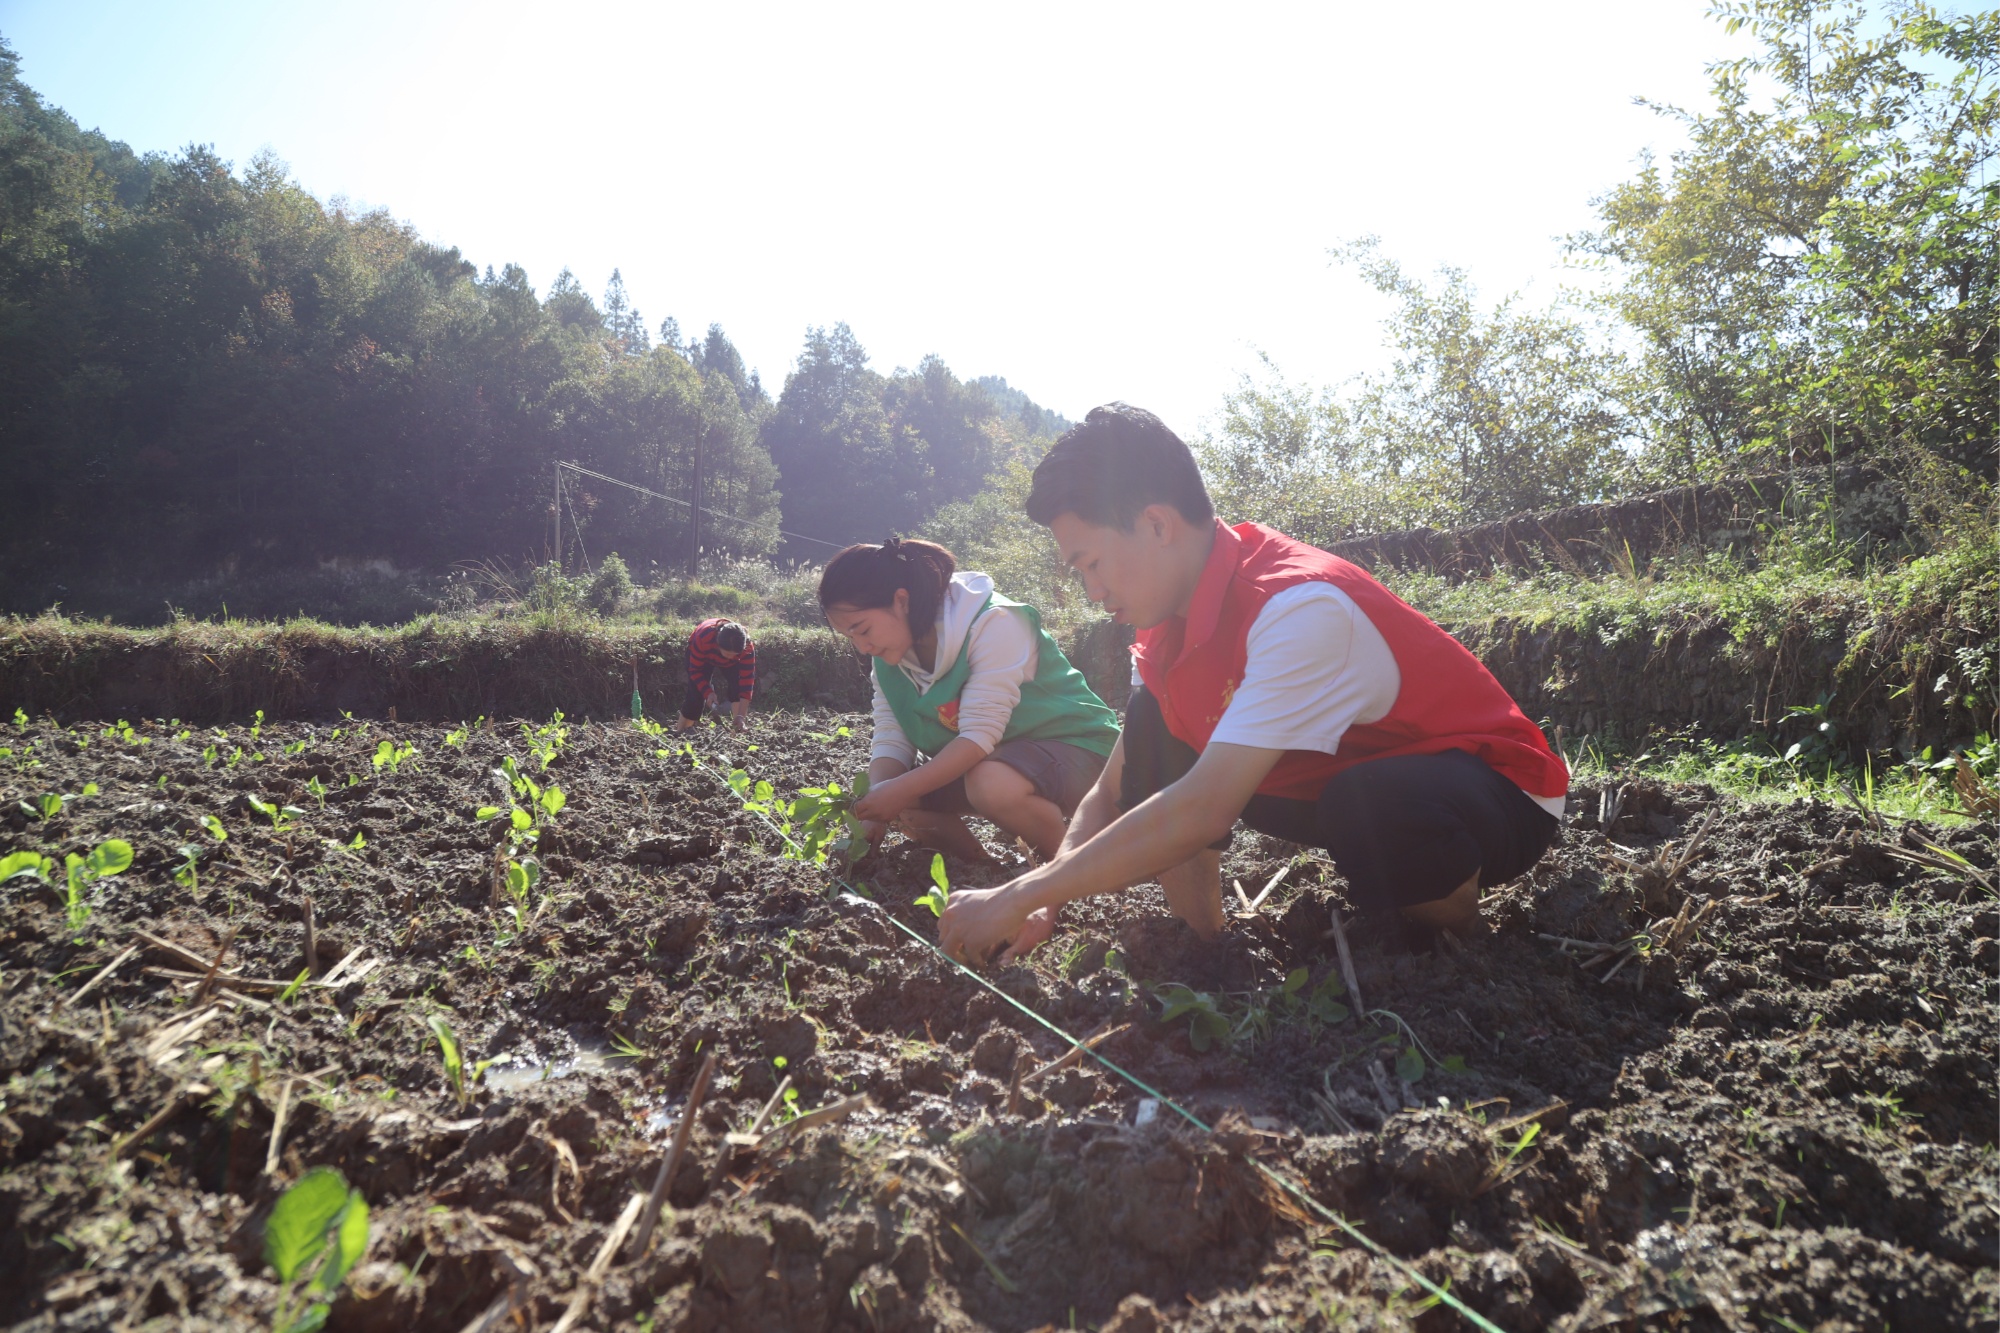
pixel 611 587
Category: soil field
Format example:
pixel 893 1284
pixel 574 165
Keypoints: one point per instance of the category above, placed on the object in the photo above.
pixel 1715 1066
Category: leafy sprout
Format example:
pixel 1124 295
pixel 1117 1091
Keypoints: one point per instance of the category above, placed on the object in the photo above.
pixel 25 863
pixel 940 894
pixel 318 1216
pixel 107 860
pixel 281 816
pixel 392 756
pixel 455 1070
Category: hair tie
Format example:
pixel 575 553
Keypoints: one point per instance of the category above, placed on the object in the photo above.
pixel 894 546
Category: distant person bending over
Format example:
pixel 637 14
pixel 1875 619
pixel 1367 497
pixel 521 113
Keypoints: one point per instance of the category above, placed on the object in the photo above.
pixel 970 681
pixel 719 650
pixel 1277 684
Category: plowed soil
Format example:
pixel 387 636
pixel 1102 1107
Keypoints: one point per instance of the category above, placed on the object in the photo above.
pixel 1780 1115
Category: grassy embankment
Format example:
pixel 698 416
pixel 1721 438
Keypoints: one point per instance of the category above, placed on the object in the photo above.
pixel 1787 677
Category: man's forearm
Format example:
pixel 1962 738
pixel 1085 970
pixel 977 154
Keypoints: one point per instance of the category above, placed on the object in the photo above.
pixel 1160 834
pixel 1094 814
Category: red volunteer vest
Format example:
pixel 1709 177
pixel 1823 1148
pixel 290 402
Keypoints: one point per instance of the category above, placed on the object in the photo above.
pixel 1448 699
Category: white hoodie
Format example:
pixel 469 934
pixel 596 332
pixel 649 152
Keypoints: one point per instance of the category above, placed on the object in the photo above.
pixel 1003 649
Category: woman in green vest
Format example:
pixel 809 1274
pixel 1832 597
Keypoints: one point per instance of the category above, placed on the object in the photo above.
pixel 977 711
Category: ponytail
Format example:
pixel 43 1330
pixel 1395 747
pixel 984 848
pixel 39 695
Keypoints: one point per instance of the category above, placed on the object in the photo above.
pixel 866 577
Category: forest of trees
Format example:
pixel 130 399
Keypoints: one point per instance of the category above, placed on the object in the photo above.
pixel 204 370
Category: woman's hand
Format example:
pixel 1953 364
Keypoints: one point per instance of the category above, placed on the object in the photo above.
pixel 884 801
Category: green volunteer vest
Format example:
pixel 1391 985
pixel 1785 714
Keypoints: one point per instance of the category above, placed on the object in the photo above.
pixel 1055 706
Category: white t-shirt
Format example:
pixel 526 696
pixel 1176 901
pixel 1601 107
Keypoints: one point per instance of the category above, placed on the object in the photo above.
pixel 1315 665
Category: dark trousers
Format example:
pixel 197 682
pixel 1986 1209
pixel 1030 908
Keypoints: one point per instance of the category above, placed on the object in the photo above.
pixel 725 692
pixel 1403 831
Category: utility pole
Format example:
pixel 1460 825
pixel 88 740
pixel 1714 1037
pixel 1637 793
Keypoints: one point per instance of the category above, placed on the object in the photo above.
pixel 558 515
pixel 694 514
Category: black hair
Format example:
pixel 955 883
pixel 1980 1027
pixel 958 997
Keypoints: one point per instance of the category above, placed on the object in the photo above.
pixel 1111 465
pixel 729 637
pixel 866 576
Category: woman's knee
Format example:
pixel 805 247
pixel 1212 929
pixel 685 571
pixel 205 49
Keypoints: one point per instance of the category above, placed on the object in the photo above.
pixel 992 785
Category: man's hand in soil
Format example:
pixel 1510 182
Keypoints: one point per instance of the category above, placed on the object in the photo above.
pixel 1167 835
pixel 978 921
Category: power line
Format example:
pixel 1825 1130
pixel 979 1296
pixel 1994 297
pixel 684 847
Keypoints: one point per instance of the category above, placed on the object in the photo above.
pixel 675 499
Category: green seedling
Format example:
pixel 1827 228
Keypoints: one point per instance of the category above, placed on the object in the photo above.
pixel 235 758
pixel 15 864
pixel 215 829
pixel 20 719
pixel 624 1048
pixel 829 737
pixel 188 873
pixel 257 727
pixel 298 982
pixel 522 876
pixel 318 1216
pixel 1529 1133
pixel 281 816
pixel 296 747
pixel 50 804
pixel 108 859
pixel 360 841
pixel 547 741
pixel 1238 1018
pixel 815 826
pixel 208 757
pixel 940 895
pixel 1410 1066
pixel 456 739
pixel 461 1079
pixel 1207 1023
pixel 317 790
pixel 826 824
pixel 392 756
pixel 1322 1004
pixel 121 730
pixel 24 758
pixel 531 808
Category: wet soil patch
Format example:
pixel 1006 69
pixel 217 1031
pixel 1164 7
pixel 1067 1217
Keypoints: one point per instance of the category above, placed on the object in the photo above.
pixel 1779 1110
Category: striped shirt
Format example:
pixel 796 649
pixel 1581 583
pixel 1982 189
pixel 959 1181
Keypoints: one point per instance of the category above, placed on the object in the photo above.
pixel 705 658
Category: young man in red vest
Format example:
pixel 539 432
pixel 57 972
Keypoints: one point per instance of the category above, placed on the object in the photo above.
pixel 1277 684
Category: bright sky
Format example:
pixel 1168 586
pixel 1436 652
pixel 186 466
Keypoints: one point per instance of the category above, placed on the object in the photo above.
pixel 1095 200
